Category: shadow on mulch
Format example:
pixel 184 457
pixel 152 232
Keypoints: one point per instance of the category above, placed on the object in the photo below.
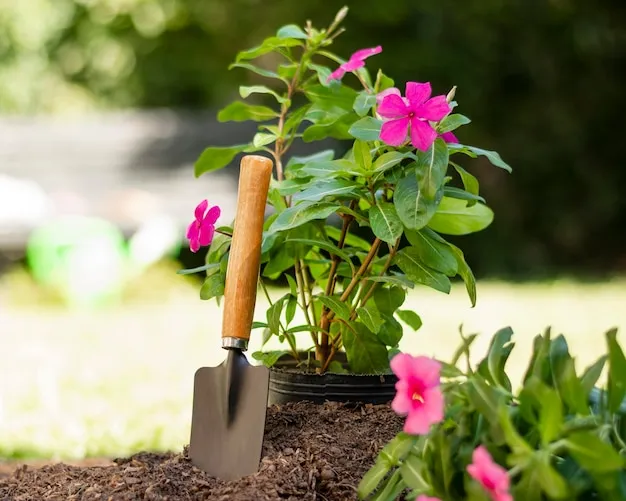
pixel 310 452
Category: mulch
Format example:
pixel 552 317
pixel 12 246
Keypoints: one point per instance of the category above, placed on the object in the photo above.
pixel 310 452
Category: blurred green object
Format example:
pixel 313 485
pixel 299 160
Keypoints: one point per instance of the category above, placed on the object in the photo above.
pixel 83 259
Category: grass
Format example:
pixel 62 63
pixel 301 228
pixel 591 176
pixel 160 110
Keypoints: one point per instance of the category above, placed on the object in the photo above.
pixel 115 381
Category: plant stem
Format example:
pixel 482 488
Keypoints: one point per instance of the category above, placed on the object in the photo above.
pixel 309 291
pixel 301 288
pixel 292 346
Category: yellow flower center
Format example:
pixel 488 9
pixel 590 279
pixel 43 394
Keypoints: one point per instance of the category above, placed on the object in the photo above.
pixel 418 397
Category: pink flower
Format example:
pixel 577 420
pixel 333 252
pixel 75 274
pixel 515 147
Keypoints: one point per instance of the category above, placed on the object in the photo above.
pixel 356 61
pixel 427 498
pixel 416 110
pixel 449 137
pixel 201 230
pixel 418 395
pixel 493 478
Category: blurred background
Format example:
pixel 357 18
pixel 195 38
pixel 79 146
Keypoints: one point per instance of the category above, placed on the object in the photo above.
pixel 106 104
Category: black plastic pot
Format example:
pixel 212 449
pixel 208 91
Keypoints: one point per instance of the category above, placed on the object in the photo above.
pixel 288 383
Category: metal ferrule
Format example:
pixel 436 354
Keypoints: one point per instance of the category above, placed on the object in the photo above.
pixel 234 343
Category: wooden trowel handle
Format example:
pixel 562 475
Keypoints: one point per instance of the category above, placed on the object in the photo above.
pixel 245 251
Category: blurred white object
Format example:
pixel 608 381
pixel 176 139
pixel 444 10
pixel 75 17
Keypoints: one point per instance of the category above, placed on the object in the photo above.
pixel 22 203
pixel 155 239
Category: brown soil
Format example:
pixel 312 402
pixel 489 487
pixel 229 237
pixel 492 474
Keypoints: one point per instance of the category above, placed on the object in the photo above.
pixel 310 452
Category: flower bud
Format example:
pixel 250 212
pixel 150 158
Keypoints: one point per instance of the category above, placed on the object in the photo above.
pixel 451 94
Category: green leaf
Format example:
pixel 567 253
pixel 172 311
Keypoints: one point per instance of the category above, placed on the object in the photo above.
pixel 325 245
pixel 245 91
pixel 370 316
pixel 337 368
pixel 431 168
pixel 261 139
pixel 484 398
pixel 269 358
pixel 550 409
pixel 191 271
pixel 330 169
pixel 362 155
pixel 617 371
pixel 553 484
pixel 372 478
pixel 385 222
pixel 366 129
pixel 291 31
pixel 388 160
pixel 564 377
pixel 414 208
pixel 520 448
pixel 454 217
pixel 239 111
pixel 391 488
pixel 452 122
pixel 473 152
pixel 216 157
pixel 594 454
pixel 363 103
pixel 323 72
pixel 391 331
pixel 470 183
pixel 258 325
pixel 414 473
pixel 273 315
pixel 433 251
pixel 320 156
pixel 410 263
pixel 395 279
pixel 290 310
pixel 335 96
pixel 337 129
pixel 410 318
pixel 465 273
pixel 351 240
pixel 493 367
pixel 302 213
pixel 334 188
pixel 333 303
pixel 268 45
pixel 213 286
pixel 366 353
pixel 389 299
pixel 592 374
pixel 255 69
pixel 458 193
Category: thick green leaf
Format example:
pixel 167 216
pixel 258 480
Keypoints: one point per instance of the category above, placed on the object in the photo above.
pixel 338 129
pixel 268 45
pixel 366 353
pixel 564 377
pixel 410 263
pixel 484 398
pixel 373 478
pixel 395 279
pixel 389 299
pixel 454 217
pixel 465 273
pixel 366 129
pixel 433 252
pixel 473 152
pixel 594 454
pixel 363 103
pixel 470 183
pixel 269 358
pixel 255 69
pixel 330 169
pixel 591 375
pixel 388 160
pixel 550 409
pixel 493 367
pixel 296 162
pixel 414 208
pixel 325 245
pixel 410 318
pixel 458 193
pixel 213 286
pixel 553 484
pixel 302 213
pixel 370 316
pixel 323 72
pixel 385 222
pixel 333 188
pixel 391 488
pixel 391 331
pixel 414 473
pixel 273 315
pixel 216 157
pixel 335 96
pixel 261 139
pixel 452 122
pixel 290 310
pixel 617 371
pixel 519 447
pixel 245 91
pixel 291 31
pixel 239 111
pixel 431 168
pixel 340 308
pixel 362 155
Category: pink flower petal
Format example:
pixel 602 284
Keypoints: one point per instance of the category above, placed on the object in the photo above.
pixel 206 234
pixel 213 214
pixel 392 106
pixel 417 93
pixel 194 245
pixel 365 53
pixel 426 498
pixel 402 365
pixel 434 405
pixel 493 478
pixel 337 74
pixel 393 132
pixel 417 423
pixel 353 65
pixel 422 134
pixel 387 92
pixel 427 370
pixel 449 137
pixel 402 403
pixel 193 230
pixel 434 109
pixel 201 209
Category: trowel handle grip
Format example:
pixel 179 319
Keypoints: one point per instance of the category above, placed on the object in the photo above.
pixel 245 251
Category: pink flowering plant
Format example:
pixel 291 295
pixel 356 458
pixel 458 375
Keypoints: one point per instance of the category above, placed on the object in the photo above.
pixel 469 436
pixel 351 232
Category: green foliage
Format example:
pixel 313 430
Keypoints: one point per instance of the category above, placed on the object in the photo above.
pixel 553 448
pixel 348 289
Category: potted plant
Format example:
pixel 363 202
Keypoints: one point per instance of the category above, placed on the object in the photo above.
pixel 470 436
pixel 395 191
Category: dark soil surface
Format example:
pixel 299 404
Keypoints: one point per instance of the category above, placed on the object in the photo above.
pixel 310 452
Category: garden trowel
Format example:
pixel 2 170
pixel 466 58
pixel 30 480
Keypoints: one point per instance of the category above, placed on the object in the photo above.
pixel 230 400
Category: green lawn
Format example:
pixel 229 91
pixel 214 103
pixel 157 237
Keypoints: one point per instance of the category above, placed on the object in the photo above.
pixel 76 384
